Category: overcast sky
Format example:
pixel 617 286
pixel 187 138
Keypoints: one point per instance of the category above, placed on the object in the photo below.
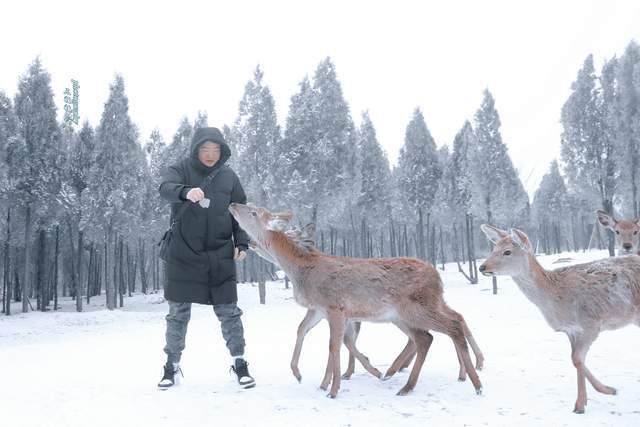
pixel 178 58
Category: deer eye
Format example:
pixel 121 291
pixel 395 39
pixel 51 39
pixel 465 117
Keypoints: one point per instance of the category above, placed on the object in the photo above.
pixel 253 213
pixel 506 253
pixel 635 232
pixel 617 231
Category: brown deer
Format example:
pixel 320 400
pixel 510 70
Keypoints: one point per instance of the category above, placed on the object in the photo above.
pixel 404 291
pixel 304 238
pixel 627 232
pixel 580 300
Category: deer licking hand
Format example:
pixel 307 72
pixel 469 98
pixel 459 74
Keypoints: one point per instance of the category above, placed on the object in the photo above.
pixel 406 292
pixel 580 300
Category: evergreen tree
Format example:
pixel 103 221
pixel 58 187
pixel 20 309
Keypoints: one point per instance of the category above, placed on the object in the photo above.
pixel 40 177
pixel 626 118
pixel 499 195
pixel 420 169
pixel 550 206
pixel 255 134
pixel 373 201
pixel 589 155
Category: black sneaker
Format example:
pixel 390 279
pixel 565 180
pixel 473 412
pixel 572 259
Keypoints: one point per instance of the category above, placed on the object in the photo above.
pixel 242 372
pixel 171 377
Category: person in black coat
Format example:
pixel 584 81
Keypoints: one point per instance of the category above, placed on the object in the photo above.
pixel 206 243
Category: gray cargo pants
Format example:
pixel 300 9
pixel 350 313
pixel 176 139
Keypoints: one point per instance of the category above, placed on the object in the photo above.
pixel 178 318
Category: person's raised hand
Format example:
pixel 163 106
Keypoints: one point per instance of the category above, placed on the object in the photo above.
pixel 195 194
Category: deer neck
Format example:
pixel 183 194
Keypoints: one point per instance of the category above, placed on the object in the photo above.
pixel 534 281
pixel 285 252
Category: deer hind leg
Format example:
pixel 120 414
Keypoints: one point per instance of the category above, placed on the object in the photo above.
pixel 452 324
pixel 349 342
pixel 310 320
pixel 352 332
pixel 474 346
pixel 422 340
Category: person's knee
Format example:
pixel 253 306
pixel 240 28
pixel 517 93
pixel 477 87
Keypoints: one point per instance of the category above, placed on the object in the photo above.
pixel 179 312
pixel 226 311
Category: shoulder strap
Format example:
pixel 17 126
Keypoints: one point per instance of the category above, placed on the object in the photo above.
pixel 185 205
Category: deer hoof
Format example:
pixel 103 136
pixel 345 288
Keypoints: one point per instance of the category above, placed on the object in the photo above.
pixel 331 396
pixel 346 376
pixel 403 391
pixel 462 379
pixel 479 391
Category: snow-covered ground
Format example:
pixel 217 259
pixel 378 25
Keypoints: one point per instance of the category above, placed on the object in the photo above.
pixel 100 368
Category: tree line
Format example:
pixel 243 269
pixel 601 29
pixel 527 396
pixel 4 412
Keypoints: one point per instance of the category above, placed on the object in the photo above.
pixel 81 213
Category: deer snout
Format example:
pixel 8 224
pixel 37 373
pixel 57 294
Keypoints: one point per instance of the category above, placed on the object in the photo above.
pixel 626 246
pixel 483 270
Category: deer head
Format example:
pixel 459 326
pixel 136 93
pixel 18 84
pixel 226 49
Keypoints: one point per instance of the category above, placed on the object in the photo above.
pixel 258 222
pixel 627 232
pixel 510 254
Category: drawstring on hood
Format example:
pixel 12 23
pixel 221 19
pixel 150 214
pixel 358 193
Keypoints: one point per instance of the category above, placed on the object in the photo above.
pixel 202 135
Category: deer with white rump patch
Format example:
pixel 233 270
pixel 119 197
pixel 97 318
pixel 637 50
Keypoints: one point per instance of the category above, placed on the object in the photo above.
pixel 627 232
pixel 580 300
pixel 406 292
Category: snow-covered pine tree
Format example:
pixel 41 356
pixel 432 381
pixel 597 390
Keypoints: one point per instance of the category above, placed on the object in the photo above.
pixel 499 196
pixel 374 197
pixel 116 185
pixel 334 148
pixel 550 209
pixel 626 119
pixel 37 126
pixel 420 173
pixel 296 177
pixel 587 150
pixel 255 134
pixel 181 143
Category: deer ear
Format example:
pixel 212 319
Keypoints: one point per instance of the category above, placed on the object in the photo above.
pixel 521 239
pixel 284 216
pixel 276 224
pixel 309 230
pixel 493 233
pixel 605 219
pixel 279 221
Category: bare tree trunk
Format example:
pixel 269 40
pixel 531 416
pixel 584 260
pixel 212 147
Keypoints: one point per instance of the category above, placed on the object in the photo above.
pixel 143 263
pixel 27 259
pixel 262 288
pixel 40 262
pixel 121 272
pixel 7 263
pixel 79 281
pixel 55 269
pixel 90 273
pixel 107 290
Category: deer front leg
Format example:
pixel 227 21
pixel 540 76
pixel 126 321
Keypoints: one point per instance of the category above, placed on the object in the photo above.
pixel 353 330
pixel 604 389
pixel 337 325
pixel 405 355
pixel 422 340
pixel 579 347
pixel 349 342
pixel 310 320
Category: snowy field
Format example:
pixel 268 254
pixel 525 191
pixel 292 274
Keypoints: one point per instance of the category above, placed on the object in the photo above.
pixel 100 368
